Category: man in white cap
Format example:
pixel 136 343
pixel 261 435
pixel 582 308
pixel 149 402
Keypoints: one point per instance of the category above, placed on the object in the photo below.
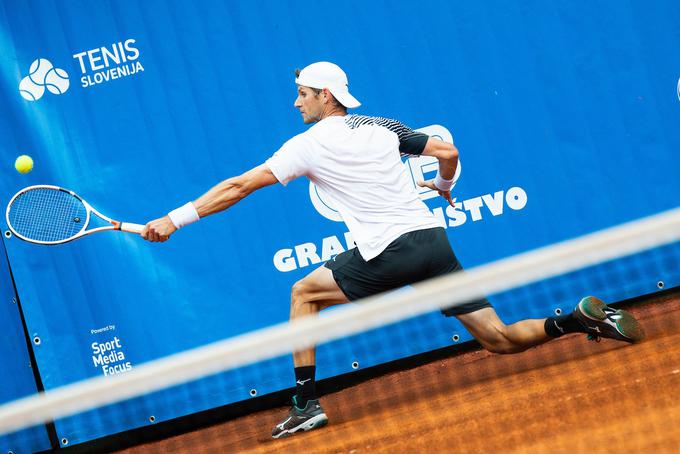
pixel 356 160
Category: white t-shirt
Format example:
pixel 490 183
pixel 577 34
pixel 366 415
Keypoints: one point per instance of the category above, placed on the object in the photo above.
pixel 356 160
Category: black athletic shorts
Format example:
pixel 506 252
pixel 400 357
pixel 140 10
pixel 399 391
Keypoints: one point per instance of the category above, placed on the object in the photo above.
pixel 411 258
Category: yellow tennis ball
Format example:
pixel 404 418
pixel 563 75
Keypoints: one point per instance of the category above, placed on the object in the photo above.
pixel 23 164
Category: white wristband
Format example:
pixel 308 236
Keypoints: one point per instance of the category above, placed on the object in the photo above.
pixel 442 184
pixel 184 215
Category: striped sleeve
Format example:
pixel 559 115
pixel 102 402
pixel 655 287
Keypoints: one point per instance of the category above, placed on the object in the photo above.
pixel 410 141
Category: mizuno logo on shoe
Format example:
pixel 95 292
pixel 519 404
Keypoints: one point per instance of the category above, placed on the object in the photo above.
pixel 612 316
pixel 281 426
pixel 595 328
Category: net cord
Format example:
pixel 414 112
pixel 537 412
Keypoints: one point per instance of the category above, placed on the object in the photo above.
pixel 375 311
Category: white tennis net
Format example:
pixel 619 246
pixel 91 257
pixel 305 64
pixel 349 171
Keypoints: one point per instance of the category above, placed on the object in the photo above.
pixel 376 311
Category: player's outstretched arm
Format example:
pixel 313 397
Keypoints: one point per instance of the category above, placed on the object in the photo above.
pixel 232 190
pixel 218 198
pixel 447 154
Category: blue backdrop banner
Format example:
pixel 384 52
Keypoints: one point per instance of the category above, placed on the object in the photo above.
pixel 16 375
pixel 565 115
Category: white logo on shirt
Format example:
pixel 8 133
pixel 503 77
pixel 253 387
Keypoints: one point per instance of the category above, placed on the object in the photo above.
pixel 323 203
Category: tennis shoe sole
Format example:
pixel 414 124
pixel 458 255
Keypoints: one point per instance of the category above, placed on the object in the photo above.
pixel 603 321
pixel 299 419
pixel 312 423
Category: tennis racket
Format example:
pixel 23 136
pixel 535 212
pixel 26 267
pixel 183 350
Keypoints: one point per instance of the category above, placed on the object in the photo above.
pixel 53 215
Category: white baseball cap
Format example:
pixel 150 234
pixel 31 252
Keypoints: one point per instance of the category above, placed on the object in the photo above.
pixel 322 75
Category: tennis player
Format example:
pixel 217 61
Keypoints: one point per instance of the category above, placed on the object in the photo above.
pixel 356 160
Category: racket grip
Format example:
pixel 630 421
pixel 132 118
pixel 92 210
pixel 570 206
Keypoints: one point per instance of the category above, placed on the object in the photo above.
pixel 131 228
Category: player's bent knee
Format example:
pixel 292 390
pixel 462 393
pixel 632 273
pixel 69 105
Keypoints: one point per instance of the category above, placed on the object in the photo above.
pixel 297 290
pixel 299 294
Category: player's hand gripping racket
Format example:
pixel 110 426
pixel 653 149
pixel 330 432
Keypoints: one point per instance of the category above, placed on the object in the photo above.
pixel 53 215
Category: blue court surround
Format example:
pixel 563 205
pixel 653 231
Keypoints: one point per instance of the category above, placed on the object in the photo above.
pixel 575 105
pixel 16 374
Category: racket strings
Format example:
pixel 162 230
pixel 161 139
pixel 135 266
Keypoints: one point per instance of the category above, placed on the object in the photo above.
pixel 47 214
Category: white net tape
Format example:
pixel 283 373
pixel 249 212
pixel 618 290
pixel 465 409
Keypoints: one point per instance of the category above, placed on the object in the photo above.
pixel 372 312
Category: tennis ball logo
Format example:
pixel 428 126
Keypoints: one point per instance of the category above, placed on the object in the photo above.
pixel 39 70
pixel 56 81
pixel 29 90
pixel 42 74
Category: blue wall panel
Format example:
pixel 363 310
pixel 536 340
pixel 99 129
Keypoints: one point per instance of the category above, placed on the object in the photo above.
pixel 16 375
pixel 575 104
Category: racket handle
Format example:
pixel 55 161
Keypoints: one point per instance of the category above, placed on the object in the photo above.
pixel 131 228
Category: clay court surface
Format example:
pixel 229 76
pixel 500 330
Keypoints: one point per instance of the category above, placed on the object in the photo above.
pixel 570 395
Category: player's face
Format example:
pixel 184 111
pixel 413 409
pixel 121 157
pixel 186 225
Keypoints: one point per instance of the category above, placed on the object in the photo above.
pixel 309 104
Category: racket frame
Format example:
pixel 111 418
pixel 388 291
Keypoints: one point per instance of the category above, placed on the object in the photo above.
pixel 115 225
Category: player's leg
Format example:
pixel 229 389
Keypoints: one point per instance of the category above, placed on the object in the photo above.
pixel 591 316
pixel 347 277
pixel 497 337
pixel 311 294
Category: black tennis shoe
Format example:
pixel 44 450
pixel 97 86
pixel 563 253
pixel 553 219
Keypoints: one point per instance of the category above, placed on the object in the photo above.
pixel 601 320
pixel 308 418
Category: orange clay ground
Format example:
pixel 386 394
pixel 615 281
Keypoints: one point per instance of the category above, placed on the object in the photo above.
pixel 570 395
